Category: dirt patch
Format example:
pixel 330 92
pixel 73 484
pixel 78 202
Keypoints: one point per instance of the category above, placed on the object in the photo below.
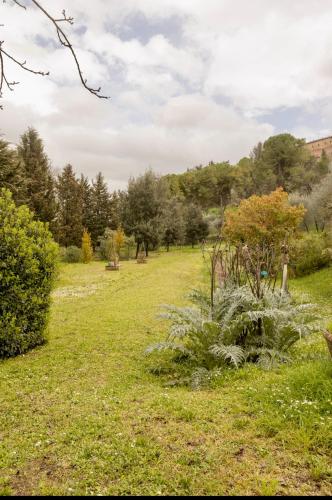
pixel 26 481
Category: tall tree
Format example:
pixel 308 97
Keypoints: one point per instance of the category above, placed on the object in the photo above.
pixel 87 210
pixel 70 209
pixel 197 228
pixel 39 179
pixel 12 172
pixel 173 224
pixel 288 164
pixel 100 216
pixel 208 186
pixel 143 209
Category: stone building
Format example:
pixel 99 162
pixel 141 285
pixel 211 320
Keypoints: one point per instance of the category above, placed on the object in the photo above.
pixel 316 147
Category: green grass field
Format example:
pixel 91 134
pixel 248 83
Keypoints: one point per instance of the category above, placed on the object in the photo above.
pixel 87 414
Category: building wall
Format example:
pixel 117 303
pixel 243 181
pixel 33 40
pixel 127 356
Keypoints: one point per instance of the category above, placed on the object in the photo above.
pixel 316 147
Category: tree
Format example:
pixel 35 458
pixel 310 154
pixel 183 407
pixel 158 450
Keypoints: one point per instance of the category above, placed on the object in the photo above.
pixel 143 209
pixel 119 239
pixel 261 228
pixel 282 161
pixel 12 172
pixel 245 182
pixel 208 186
pixel 109 248
pixel 100 213
pixel 262 220
pixel 173 223
pixel 319 206
pixel 87 250
pixel 197 228
pixel 285 162
pixel 28 264
pixel 39 180
pixel 86 196
pixel 63 40
pixel 70 209
pixel 117 199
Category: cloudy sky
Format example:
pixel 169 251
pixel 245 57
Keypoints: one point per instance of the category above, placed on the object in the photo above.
pixel 190 80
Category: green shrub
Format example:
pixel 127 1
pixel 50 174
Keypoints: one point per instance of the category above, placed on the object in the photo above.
pixel 28 257
pixel 311 253
pixel 72 255
pixel 240 327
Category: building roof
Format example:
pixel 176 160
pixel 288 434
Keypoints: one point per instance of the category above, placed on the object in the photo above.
pixel 318 140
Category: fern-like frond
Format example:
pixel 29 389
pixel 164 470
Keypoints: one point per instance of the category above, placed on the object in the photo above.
pixel 168 346
pixel 229 353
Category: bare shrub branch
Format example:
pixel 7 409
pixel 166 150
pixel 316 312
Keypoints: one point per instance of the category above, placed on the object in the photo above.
pixel 63 40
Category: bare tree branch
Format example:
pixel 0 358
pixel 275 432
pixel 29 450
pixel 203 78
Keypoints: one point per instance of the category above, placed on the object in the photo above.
pixel 18 3
pixel 63 40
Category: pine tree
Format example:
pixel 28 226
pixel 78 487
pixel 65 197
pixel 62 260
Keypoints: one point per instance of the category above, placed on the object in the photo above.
pixel 86 194
pixel 40 183
pixel 70 209
pixel 116 202
pixel 12 172
pixel 87 251
pixel 100 217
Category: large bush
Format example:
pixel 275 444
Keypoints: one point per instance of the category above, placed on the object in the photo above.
pixel 311 253
pixel 28 258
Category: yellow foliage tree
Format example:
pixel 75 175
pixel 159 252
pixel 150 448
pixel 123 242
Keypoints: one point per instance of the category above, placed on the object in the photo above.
pixel 87 250
pixel 119 238
pixel 263 220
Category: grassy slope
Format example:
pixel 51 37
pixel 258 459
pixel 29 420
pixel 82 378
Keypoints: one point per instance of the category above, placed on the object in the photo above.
pixel 84 414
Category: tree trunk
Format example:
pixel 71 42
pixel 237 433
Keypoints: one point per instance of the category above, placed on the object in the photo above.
pixel 137 250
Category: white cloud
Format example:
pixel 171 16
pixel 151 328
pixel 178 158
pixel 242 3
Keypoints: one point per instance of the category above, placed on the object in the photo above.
pixel 174 104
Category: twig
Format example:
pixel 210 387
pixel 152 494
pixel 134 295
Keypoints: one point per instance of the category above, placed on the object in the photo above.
pixel 64 41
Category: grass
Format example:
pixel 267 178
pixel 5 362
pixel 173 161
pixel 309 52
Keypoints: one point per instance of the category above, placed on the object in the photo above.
pixel 86 414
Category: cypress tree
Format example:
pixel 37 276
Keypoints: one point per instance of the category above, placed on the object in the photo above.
pixel 70 209
pixel 100 217
pixel 12 172
pixel 40 183
pixel 86 195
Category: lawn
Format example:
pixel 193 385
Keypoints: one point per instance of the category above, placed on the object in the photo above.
pixel 87 414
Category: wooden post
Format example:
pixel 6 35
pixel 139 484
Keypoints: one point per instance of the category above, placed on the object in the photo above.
pixel 285 262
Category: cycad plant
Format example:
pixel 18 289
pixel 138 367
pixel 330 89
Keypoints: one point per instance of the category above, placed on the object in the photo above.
pixel 239 327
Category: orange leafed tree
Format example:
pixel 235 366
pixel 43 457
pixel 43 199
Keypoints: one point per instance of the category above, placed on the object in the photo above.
pixel 263 220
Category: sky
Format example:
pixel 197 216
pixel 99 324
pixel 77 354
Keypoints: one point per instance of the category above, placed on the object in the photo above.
pixel 189 81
